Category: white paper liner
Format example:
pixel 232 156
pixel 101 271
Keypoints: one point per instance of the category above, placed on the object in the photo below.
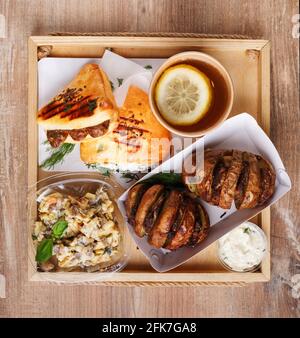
pixel 240 132
pixel 55 73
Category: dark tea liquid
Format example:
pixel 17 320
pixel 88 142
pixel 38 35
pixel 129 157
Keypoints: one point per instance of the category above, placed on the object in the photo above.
pixel 220 96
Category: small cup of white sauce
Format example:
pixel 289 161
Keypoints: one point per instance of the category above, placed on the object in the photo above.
pixel 243 248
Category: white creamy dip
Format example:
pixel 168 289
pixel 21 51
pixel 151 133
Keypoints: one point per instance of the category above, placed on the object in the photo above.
pixel 243 248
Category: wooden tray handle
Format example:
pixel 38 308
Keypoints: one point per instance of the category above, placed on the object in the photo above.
pixel 173 284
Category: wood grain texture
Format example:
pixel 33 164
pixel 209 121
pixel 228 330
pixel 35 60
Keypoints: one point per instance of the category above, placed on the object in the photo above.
pixel 266 19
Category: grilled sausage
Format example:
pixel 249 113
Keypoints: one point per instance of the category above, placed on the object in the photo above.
pixel 159 232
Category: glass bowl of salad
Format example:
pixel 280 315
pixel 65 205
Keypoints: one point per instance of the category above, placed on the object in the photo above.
pixel 77 232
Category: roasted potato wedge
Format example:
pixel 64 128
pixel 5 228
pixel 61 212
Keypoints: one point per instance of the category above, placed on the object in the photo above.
pixel 202 177
pixel 248 186
pixel 149 198
pixel 201 227
pixel 159 232
pixel 134 196
pixel 267 179
pixel 185 228
pixel 231 179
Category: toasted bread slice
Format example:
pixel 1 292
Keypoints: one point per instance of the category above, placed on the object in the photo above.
pixel 131 145
pixel 248 190
pixel 84 104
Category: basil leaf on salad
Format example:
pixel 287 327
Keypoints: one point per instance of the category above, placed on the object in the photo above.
pixel 44 250
pixel 59 227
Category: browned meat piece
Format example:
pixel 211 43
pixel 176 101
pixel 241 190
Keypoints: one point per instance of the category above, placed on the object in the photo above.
pixel 78 134
pixel 56 137
pixel 98 130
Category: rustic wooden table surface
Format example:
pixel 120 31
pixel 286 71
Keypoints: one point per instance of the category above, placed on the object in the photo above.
pixel 268 19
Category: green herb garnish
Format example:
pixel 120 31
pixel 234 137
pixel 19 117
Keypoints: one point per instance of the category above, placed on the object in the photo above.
pixel 59 227
pixel 67 107
pixel 57 155
pixel 112 85
pixel 45 247
pixel 108 250
pixel 100 148
pixel 148 67
pixel 92 105
pixel 130 176
pixel 120 81
pixel 102 170
pixel 44 250
pixel 247 231
pixel 173 179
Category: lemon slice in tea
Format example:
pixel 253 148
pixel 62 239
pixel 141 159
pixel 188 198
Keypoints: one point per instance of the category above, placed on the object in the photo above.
pixel 183 95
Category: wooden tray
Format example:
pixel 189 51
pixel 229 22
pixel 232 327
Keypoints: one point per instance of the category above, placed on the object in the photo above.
pixel 247 61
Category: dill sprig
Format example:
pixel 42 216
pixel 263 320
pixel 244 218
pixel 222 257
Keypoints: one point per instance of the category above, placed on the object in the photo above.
pixel 57 155
pixel 120 82
pixel 130 176
pixel 97 167
pixel 112 85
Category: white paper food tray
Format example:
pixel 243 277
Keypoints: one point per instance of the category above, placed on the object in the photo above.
pixel 240 132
